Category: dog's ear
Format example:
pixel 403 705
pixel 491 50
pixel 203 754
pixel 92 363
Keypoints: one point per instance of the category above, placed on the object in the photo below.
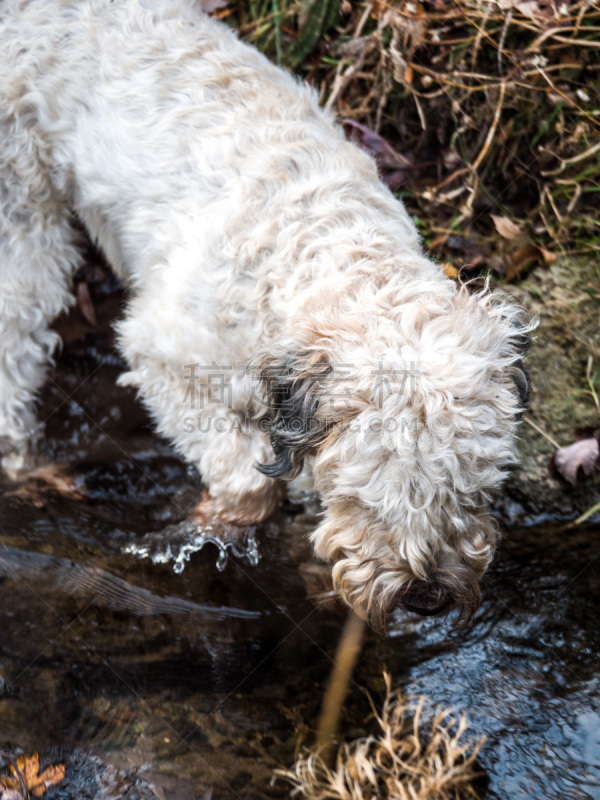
pixel 522 383
pixel 293 385
pixel 519 374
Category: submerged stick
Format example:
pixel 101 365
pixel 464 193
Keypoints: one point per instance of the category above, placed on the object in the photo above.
pixel 345 659
pixel 583 518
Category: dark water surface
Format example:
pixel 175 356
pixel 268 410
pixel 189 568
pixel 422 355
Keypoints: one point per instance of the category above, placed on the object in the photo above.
pixel 153 684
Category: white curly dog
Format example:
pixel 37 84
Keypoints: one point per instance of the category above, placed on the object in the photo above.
pixel 281 308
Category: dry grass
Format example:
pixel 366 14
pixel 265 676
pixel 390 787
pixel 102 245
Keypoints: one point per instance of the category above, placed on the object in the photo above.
pixel 484 107
pixel 418 753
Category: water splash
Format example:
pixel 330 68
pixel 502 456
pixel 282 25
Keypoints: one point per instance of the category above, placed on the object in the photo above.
pixel 176 544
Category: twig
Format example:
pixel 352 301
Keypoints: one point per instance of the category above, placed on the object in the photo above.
pixel 566 162
pixel 565 97
pixel 547 34
pixel 574 199
pixel 505 28
pixel 420 112
pixel 363 20
pixel 337 689
pixel 546 436
pixel 547 193
pixel 479 36
pixel 441 78
pixel 492 131
pixel 471 21
pixel 4 754
pixel 586 515
pixel 590 379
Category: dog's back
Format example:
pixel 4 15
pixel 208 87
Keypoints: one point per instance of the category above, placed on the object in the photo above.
pixel 133 105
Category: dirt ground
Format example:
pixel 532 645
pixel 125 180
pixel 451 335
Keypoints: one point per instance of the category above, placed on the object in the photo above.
pixel 567 336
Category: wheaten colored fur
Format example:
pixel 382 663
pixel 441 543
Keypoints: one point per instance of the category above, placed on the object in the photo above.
pixel 252 236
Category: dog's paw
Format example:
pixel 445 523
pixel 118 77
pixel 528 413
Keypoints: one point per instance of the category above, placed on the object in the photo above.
pixel 207 514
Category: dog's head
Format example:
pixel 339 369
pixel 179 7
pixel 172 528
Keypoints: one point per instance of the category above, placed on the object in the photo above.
pixel 409 416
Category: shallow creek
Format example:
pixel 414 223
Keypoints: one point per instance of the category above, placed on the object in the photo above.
pixel 152 683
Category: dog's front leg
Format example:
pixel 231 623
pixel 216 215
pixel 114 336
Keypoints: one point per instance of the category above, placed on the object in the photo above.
pixel 205 409
pixel 238 493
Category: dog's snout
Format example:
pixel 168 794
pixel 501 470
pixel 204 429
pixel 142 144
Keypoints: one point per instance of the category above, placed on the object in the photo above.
pixel 426 598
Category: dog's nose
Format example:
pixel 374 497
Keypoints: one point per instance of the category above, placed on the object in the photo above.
pixel 426 598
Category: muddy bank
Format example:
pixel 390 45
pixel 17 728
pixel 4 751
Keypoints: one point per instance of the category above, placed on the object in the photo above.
pixel 566 300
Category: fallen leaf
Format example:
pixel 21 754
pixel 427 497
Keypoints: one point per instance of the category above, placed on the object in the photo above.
pixel 549 258
pixel 568 460
pixel 29 767
pixel 379 8
pixel 386 156
pixel 26 778
pixel 507 228
pixel 450 270
pixel 529 8
pixel 521 260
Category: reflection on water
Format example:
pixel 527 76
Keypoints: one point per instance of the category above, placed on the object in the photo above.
pixel 161 685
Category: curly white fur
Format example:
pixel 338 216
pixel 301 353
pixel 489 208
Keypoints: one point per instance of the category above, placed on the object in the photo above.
pixel 251 232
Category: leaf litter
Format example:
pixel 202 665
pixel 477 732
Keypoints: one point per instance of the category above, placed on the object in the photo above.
pixel 486 108
pixel 26 780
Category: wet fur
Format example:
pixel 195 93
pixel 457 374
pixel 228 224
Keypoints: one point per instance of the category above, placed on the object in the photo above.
pixel 422 492
pixel 254 236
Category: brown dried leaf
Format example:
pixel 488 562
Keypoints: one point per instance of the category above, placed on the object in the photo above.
pixel 507 228
pixel 29 767
pixel 521 260
pixel 529 8
pixel 450 270
pixel 380 8
pixel 568 460
pixel 549 258
pixel 387 157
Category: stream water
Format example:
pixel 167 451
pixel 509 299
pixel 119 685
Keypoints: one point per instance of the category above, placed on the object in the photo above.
pixel 155 684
